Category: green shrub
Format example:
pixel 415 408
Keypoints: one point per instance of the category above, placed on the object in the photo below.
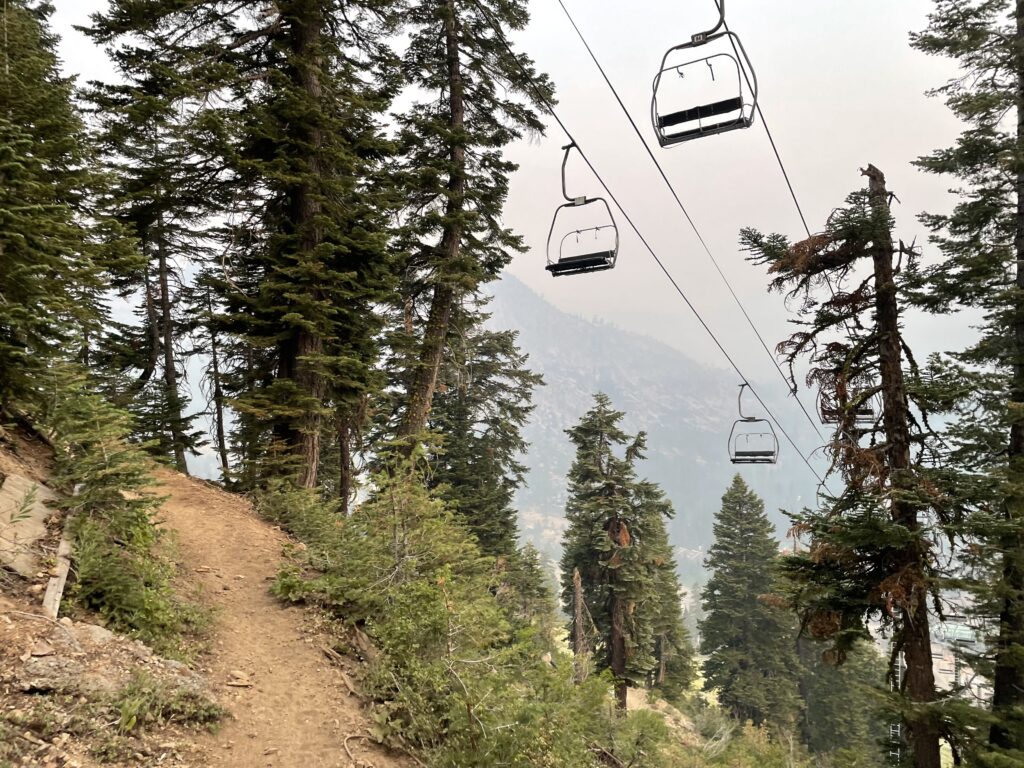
pixel 147 701
pixel 118 570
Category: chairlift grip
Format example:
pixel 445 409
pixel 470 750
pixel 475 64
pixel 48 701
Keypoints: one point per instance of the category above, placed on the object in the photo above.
pixel 702 37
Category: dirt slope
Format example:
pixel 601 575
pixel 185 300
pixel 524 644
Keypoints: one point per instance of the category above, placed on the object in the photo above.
pixel 291 707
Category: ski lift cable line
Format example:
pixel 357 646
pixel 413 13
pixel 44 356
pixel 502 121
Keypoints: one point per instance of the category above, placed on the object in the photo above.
pixel 785 173
pixel 541 96
pixel 771 140
pixel 671 188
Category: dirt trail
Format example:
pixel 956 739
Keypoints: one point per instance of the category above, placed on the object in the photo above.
pixel 297 712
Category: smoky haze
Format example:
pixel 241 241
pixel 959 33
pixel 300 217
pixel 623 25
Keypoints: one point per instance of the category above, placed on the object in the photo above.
pixel 840 87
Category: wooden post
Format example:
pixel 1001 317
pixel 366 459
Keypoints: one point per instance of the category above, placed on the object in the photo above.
pixel 57 582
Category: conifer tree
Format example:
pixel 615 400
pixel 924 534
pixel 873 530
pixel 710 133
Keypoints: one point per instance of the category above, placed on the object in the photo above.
pixel 748 640
pixel 616 541
pixel 843 716
pixel 872 554
pixel 295 89
pixel 164 195
pixel 452 173
pixel 982 242
pixel 53 250
pixel 482 403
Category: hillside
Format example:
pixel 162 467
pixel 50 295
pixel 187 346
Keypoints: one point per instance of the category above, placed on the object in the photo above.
pixel 266 671
pixel 685 407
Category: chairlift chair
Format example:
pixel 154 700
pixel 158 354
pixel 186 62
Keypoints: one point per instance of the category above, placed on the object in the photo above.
pixel 694 121
pixel 565 258
pixel 752 440
pixel 830 410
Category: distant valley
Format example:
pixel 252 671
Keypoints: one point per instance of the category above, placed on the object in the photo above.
pixel 686 409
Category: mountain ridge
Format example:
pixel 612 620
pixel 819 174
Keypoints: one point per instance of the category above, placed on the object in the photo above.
pixel 686 408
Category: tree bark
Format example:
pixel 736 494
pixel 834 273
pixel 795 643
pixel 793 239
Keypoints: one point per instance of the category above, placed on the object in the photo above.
pixel 421 393
pixel 1007 732
pixel 152 328
pixel 617 651
pixel 218 396
pixel 579 636
pixel 919 688
pixel 171 391
pixel 306 209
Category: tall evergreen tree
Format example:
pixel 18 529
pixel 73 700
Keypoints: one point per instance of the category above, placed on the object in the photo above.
pixel 297 86
pixel 53 250
pixel 454 178
pixel 481 405
pixel 749 641
pixel 872 553
pixel 616 541
pixel 164 195
pixel 843 714
pixel 982 242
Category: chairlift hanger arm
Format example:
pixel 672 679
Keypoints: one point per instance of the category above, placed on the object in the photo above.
pixel 565 161
pixel 739 404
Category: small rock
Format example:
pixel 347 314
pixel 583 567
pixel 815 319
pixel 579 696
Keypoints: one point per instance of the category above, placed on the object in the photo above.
pixel 36 589
pixel 66 621
pixel 42 648
pixel 91 633
pixel 225 587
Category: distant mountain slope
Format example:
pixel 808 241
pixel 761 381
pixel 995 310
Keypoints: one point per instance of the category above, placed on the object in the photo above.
pixel 685 407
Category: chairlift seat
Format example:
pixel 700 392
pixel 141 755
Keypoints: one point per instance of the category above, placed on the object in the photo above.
pixel 734 104
pixel 754 457
pixel 587 262
pixel 706 130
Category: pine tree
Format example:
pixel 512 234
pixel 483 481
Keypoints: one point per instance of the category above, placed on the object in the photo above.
pixel 673 650
pixel 872 554
pixel 304 261
pixel 842 707
pixel 452 172
pixel 616 541
pixel 53 253
pixel 749 640
pixel 982 242
pixel 482 403
pixel 164 196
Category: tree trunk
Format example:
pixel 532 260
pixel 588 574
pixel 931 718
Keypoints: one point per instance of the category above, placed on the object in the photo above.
pixel 579 635
pixel 913 619
pixel 345 468
pixel 617 651
pixel 662 661
pixel 171 392
pixel 306 209
pixel 153 332
pixel 218 396
pixel 1007 732
pixel 421 393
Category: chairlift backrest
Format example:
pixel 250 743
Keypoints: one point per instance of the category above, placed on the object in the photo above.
pixel 865 411
pixel 605 249
pixel 706 117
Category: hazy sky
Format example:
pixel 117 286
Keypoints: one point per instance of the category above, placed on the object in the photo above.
pixel 840 88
